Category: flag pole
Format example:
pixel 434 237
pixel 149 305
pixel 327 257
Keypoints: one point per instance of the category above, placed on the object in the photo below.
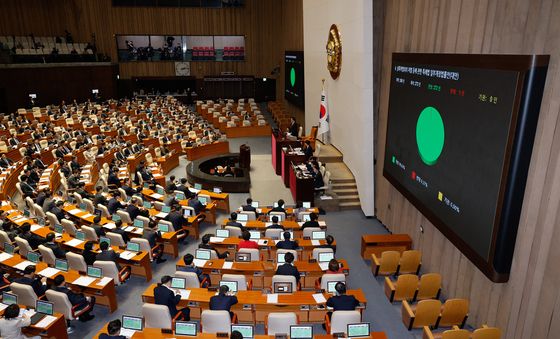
pixel 322 90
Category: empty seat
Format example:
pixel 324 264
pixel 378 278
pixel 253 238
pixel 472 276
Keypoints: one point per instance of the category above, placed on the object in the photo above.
pixel 410 262
pixel 387 264
pixel 280 322
pixel 110 270
pixel 338 323
pixel 157 316
pixel 47 255
pixel 76 262
pixel 454 333
pixel 403 289
pixel 429 286
pixel 425 313
pixel 454 312
pixel 253 252
pixel 216 321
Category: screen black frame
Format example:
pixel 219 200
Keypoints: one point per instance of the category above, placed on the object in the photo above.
pixel 290 99
pixel 531 80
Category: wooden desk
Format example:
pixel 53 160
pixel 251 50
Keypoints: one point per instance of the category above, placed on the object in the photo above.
pixel 287 159
pixel 8 180
pixel 155 333
pixel 106 295
pixel 303 189
pixel 248 131
pixel 277 144
pixel 135 159
pixel 197 152
pixel 56 329
pixel 252 306
pixel 106 157
pixel 168 162
pixel 209 212
pixel 378 243
pixel 261 272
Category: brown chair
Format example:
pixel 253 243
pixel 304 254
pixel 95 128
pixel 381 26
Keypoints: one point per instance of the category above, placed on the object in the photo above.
pixel 311 137
pixel 403 289
pixel 487 333
pixel 410 262
pixel 388 264
pixel 454 312
pixel 429 286
pixel 454 333
pixel 425 313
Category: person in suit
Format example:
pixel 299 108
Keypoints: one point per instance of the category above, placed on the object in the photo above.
pixel 99 198
pixel 74 164
pixel 5 161
pixel 49 202
pixel 318 181
pixel 89 254
pixel 190 267
pixel 307 149
pixel 233 222
pixel 99 230
pixel 114 204
pixel 185 189
pixel 40 199
pixel 196 204
pixel 113 330
pixel 287 244
pixel 171 186
pixel 11 324
pixel 164 295
pixel 58 252
pixel 120 230
pixel 127 187
pixel 134 211
pixel 33 240
pixel 58 211
pixel 222 301
pixel 152 234
pixel 113 178
pixel 294 127
pixel 275 224
pixel 279 208
pixel 27 187
pixel 170 199
pixel 313 217
pixel 205 244
pixel 176 218
pixel 329 243
pixel 334 267
pixel 248 207
pixel 81 190
pixel 287 268
pixel 30 278
pixel 247 242
pixel 107 254
pixel 341 301
pixel 76 299
pixel 39 163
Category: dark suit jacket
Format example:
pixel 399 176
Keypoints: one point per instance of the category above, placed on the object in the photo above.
pixel 99 199
pixel 287 269
pixel 113 205
pixel 99 230
pixel 249 208
pixel 310 224
pixel 277 209
pixel 164 296
pixel 133 211
pixel 276 226
pixel 58 252
pixel 343 302
pixel 113 180
pixel 33 240
pixel 122 233
pixel 38 287
pixel 75 298
pixel 107 336
pixel 222 302
pixel 287 245
pixel 89 257
pixel 197 205
pixel 294 129
pixel 177 219
pixel 109 256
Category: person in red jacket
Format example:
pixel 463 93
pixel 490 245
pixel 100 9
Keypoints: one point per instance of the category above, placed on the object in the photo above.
pixel 247 242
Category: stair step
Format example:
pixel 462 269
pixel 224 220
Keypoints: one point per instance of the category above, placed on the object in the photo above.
pixel 329 159
pixel 342 180
pixel 344 192
pixel 349 198
pixel 349 206
pixel 343 186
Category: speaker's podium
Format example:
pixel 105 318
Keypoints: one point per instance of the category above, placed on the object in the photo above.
pixel 279 141
pixel 245 156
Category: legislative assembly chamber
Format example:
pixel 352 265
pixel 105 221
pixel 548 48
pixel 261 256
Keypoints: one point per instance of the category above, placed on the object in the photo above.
pixel 303 169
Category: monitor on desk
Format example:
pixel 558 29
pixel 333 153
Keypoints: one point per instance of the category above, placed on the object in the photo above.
pixel 116 217
pixel 9 298
pixel 133 246
pixel 255 204
pixel 58 229
pixel 138 223
pixel 220 233
pixel 146 185
pixel 245 330
pixel 242 217
pixel 80 235
pixel 187 328
pixel 26 213
pixel 163 227
pixel 180 196
pixel 197 187
pixel 41 221
pixel 282 287
pixel 132 323
pixel 202 200
pixel 255 234
pixel 180 283
pixel 331 286
pixel 280 258
pixel 202 254
pixel 94 272
pixel 147 204
pixel 160 191
pixel 166 209
pixel 83 206
pixel 275 205
pixel 33 257
pixel 301 332
pixel 325 256
pixel 44 307
pixel 61 264
pixel 306 204
pixel 187 212
pixel 105 239
pixel 318 235
pixel 358 330
pixel 232 285
pixel 306 217
pixel 9 248
pixel 217 190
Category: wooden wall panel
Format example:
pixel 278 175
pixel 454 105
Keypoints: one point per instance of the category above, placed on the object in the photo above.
pixel 527 305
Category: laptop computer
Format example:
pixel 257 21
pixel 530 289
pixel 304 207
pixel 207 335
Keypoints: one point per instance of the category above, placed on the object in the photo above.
pixel 203 200
pixel 180 283
pixel 166 209
pixel 42 308
pixel 325 256
pixel 186 328
pixel 80 235
pixel 202 254
pixel 217 190
pixel 58 229
pixel 247 331
pixel 197 187
pixel 133 246
pixel 94 272
pixel 131 324
pixel 318 235
pixel 331 286
pixel 232 285
pixel 105 239
pixel 255 234
pixel 163 227
pixel 116 217
pixel 61 264
pixel 138 223
pixel 147 204
pixel 358 330
pixel 306 204
pixel 9 298
pixel 220 233
pixel 306 217
pixel 9 248
pixel 33 257
pixel 242 217
pixel 255 204
pixel 301 332
pixel 180 196
pixel 187 213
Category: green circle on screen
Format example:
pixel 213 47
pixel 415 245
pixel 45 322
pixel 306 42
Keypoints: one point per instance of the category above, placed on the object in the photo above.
pixel 430 135
pixel 293 76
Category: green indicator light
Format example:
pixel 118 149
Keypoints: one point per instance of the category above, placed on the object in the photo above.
pixel 394 159
pixel 430 135
pixel 293 77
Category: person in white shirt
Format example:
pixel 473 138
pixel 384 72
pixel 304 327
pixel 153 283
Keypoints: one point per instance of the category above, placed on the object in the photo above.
pixel 11 324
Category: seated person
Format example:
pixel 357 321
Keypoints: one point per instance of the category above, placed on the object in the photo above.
pixel 287 244
pixel 134 210
pixel 58 211
pixel 30 278
pixel 81 190
pixel 341 301
pixel 275 223
pixel 312 222
pixel 196 204
pixel 249 207
pixel 334 267
pixel 233 222
pixel 318 181
pixel 164 295
pixel 185 189
pixel 119 229
pixel 247 242
pixel 287 268
pixel 4 281
pixel 152 234
pixel 330 240
pixel 113 330
pixel 170 199
pixel 114 204
pixel 171 186
pixel 76 299
pixel 107 254
pixel 89 254
pixel 33 239
pixel 127 187
pixel 190 267
pixel 99 230
pixel 205 245
pixel 175 216
pixel 279 208
pixel 58 252
pixel 11 324
pixel 234 335
pixel 99 198
pixel 222 301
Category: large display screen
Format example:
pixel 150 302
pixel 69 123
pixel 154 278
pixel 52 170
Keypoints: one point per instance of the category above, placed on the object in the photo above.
pixel 294 85
pixel 459 139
